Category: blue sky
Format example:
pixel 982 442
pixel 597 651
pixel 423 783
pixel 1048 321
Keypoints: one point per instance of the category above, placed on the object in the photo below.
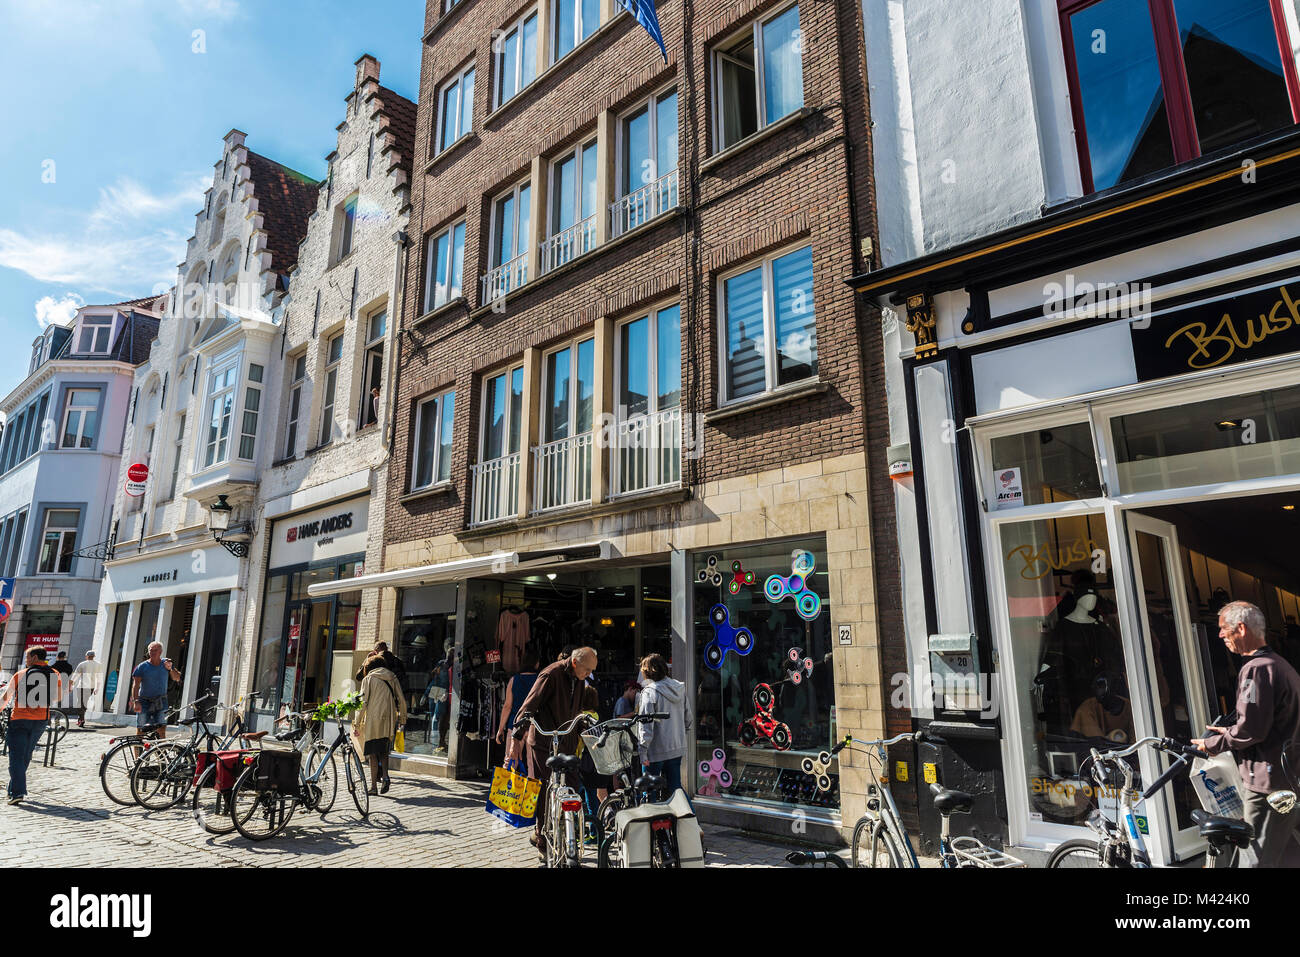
pixel 110 99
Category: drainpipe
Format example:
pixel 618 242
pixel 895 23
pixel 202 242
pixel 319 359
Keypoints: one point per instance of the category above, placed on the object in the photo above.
pixel 397 297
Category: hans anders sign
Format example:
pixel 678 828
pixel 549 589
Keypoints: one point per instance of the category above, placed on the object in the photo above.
pixel 329 532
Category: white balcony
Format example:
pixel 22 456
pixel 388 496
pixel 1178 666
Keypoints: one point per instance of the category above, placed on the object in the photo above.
pixel 647 453
pixel 568 245
pixel 505 278
pixel 496 490
pixel 644 204
pixel 562 473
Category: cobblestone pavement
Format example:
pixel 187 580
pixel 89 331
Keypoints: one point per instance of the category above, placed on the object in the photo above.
pixel 68 821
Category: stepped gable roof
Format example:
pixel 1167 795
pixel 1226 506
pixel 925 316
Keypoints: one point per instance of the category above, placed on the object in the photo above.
pixel 285 200
pixel 399 114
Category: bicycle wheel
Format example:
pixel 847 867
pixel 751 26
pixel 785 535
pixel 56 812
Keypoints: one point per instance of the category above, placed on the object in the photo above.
pixel 356 779
pixel 611 853
pixel 210 807
pixel 163 776
pixel 327 784
pixel 573 835
pixel 884 850
pixel 259 815
pixel 1078 853
pixel 662 854
pixel 57 725
pixel 115 771
pixel 862 832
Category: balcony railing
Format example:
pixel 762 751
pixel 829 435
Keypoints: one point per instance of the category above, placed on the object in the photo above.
pixel 505 278
pixel 568 245
pixel 562 473
pixel 644 204
pixel 647 452
pixel 496 490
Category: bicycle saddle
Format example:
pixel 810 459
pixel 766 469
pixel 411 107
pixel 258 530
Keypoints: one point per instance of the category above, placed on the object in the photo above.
pixel 951 802
pixel 564 762
pixel 650 782
pixel 253 735
pixel 1222 830
pixel 186 722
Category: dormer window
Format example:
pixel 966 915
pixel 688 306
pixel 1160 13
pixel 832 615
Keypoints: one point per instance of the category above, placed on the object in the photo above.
pixel 38 354
pixel 96 335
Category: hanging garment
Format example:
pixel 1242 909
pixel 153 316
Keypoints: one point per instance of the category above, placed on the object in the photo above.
pixel 512 635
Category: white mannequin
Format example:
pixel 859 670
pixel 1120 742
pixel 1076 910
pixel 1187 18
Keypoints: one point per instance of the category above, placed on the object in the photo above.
pixel 1082 612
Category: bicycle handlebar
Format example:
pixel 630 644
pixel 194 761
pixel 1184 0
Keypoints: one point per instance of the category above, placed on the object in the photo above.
pixel 568 728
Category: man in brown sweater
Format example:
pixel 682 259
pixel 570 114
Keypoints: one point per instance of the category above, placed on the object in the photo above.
pixel 555 700
pixel 1266 721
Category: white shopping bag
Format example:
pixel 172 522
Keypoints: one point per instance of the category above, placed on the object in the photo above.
pixel 1218 784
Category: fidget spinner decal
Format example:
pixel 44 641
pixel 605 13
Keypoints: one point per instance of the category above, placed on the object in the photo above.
pixel 799 666
pixel 819 769
pixel 711 574
pixel 739 577
pixel 807 603
pixel 715 773
pixel 726 637
pixel 762 724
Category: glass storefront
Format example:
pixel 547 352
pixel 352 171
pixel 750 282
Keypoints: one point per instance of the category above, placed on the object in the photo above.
pixel 113 661
pixel 425 644
pixel 766 682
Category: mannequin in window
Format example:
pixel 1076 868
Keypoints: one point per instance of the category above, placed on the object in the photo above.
pixel 1107 714
pixel 1079 648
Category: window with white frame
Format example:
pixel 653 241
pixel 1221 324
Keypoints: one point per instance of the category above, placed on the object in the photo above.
pixel 299 377
pixel 431 458
pixel 220 410
pixel 511 224
pixel 572 229
pixel 758 77
pixel 648 374
pixel 573 22
pixel 80 419
pixel 345 219
pixel 515 51
pixel 252 409
pixel 373 369
pixel 59 541
pixel 38 354
pixel 769 325
pixel 444 266
pixel 503 411
pixel 569 391
pixel 456 108
pixel 333 355
pixel 95 335
pixel 647 162
pixel 176 457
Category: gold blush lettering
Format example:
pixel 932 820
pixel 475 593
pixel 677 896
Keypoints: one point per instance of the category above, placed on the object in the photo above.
pixel 1042 561
pixel 1210 349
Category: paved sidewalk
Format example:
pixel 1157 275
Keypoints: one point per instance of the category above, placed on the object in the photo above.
pixel 68 821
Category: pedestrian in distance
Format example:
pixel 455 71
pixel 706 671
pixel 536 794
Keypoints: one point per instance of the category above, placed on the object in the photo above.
pixel 662 744
pixel 382 715
pixel 149 689
pixel 30 693
pixel 626 703
pixel 83 686
pixel 1267 719
pixel 64 668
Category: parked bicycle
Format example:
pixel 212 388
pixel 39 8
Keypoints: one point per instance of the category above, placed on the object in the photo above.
pixel 562 821
pixel 118 761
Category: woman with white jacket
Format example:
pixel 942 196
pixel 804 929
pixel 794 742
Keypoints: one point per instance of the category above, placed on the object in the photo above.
pixel 663 743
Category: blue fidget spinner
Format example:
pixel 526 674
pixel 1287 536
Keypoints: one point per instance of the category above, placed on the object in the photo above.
pixel 726 637
pixel 806 601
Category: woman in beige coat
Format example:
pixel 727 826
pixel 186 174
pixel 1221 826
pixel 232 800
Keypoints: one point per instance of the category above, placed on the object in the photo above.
pixel 382 715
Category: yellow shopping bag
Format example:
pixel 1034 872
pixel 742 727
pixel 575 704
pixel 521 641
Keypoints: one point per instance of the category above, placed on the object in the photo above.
pixel 513 797
pixel 399 742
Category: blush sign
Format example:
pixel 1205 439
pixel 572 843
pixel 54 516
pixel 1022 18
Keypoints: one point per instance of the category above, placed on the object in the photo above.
pixel 137 479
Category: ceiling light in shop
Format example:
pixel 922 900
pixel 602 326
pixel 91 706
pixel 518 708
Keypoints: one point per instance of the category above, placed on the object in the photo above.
pixel 607 622
pixel 1288 508
pixel 550 576
pixel 1225 425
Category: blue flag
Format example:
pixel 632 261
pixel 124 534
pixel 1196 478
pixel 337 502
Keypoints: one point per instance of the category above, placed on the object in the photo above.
pixel 644 11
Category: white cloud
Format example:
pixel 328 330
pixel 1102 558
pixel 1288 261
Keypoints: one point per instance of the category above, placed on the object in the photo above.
pixel 222 9
pixel 58 312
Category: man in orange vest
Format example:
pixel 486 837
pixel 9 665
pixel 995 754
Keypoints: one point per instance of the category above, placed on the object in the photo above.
pixel 31 692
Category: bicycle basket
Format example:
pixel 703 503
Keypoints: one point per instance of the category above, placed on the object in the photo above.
pixel 277 771
pixel 614 755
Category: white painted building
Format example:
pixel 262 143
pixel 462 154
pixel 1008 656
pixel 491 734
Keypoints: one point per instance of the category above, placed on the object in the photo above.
pixel 200 423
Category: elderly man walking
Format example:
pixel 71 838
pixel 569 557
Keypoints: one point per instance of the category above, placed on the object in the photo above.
pixel 1267 719
pixel 149 689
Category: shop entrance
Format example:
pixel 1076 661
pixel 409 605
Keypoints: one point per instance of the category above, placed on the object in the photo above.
pixel 307 659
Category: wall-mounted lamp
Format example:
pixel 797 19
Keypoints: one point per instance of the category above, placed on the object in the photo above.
pixel 219 524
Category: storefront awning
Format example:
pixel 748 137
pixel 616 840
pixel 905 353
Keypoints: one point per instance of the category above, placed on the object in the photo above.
pixel 497 563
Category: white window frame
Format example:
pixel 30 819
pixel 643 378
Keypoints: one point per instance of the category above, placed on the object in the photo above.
pixel 770 369
pixel 82 410
pixel 755 29
pixel 347 225
pixel 508 423
pixel 543 407
pixel 329 403
pixel 252 393
pixel 458 81
pixel 650 103
pixel 578 38
pixel 437 401
pixel 499 98
pixel 63 533
pixel 651 315
pixel 221 367
pixel 95 325
pixel 431 260
pixel 176 459
pixel 294 416
pixel 495 226
pixel 374 343
pixel 553 187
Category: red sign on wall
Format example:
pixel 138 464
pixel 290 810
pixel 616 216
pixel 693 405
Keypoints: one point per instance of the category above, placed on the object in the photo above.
pixel 49 642
pixel 137 479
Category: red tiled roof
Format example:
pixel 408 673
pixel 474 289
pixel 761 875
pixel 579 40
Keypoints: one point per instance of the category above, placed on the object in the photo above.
pixel 285 199
pixel 399 113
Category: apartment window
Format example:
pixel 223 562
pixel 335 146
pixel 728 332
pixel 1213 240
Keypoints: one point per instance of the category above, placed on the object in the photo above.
pixel 575 20
pixel 444 266
pixel 38 354
pixel 573 206
pixel 758 77
pixel 95 334
pixel 80 419
pixel 333 353
pixel 511 219
pixel 647 163
pixel 503 412
pixel 373 379
pixel 344 224
pixel 570 391
pixel 516 58
pixel 60 541
pixel 433 432
pixel 650 363
pixel 252 407
pixel 220 410
pixel 1159 83
pixel 456 109
pixel 176 459
pixel 299 376
pixel 13 543
pixel 34 438
pixel 769 325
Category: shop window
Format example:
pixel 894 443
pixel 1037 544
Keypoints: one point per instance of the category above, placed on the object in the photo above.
pixel 444 266
pixel 112 662
pixel 1164 82
pixel 433 433
pixel 769 325
pixel 220 411
pixel 424 643
pixel 574 21
pixel 373 369
pixel 59 541
pixel 758 78
pixel 297 378
pixel 1068 659
pixel 648 182
pixel 333 356
pixel 456 108
pixel 80 419
pixel 252 408
pixel 516 58
pixel 1042 466
pixel 765 743
pixel 270 644
pixel 1213 442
